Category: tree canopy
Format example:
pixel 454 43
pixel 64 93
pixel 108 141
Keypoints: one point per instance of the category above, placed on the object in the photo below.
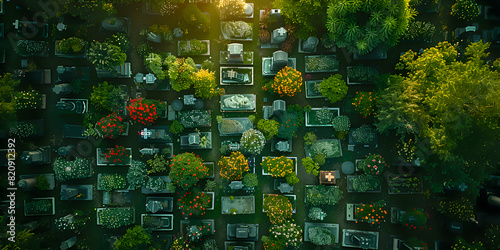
pixel 106 96
pixel 187 169
pixel 105 56
pixel 133 239
pixel 308 16
pixel 181 72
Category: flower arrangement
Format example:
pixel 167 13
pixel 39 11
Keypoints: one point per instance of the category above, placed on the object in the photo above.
pixel 264 36
pixel 252 141
pixel 415 219
pixel 233 167
pixel 66 170
pixel 465 9
pixel 22 130
pixel 110 182
pixel 461 209
pixel 287 82
pixel 156 184
pixel 289 233
pixel 374 164
pixel 116 217
pixel 187 169
pixel 110 126
pixel 278 167
pixel 28 99
pixel 118 154
pixel 143 111
pixel 372 214
pixel 278 208
pixel 193 204
pixel 71 45
pixel 363 103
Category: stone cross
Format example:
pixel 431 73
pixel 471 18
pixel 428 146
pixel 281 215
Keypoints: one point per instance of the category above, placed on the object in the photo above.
pixel 329 176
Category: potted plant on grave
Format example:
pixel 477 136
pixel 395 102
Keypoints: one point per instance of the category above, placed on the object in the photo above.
pixel 341 124
pixel 110 182
pixel 31 99
pixel 414 219
pixel 334 88
pixel 145 111
pixel 234 166
pixel 364 103
pixel 119 154
pixel 136 175
pixel 374 164
pixel 193 203
pixel 288 233
pixel 67 170
pixel 252 141
pixel 187 169
pixel 278 167
pixel 278 208
pixel 110 126
pixel 287 82
pixel 373 214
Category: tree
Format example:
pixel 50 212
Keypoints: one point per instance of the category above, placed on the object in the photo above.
pixel 321 236
pixel 231 8
pixel 7 106
pixel 310 166
pixel 268 127
pixel 181 72
pixel 287 82
pixel 320 159
pixel 310 138
pixel 334 88
pixel 250 180
pixel 456 104
pixel 187 169
pixel 308 16
pixel 204 84
pixel 135 238
pixel 234 166
pixel 105 56
pixel 176 127
pixel 158 164
pixel 157 65
pixel 136 176
pixel 252 141
pixel 361 26
pixel 292 179
pixel 278 208
pixel 106 96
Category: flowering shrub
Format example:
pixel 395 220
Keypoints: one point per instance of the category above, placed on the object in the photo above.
pixel 288 233
pixel 461 209
pixel 374 164
pixel 234 166
pixel 28 99
pixel 278 208
pixel 372 214
pixel 278 166
pixel 264 36
pixel 116 217
pixel 334 88
pixel 414 219
pixel 193 203
pixel 110 182
pixel 286 46
pixel 287 82
pixel 66 170
pixel 465 9
pixel 187 169
pixel 252 141
pixel 143 111
pixel 110 126
pixel 363 103
pixel 118 154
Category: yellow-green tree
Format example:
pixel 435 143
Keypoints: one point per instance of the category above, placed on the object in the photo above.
pixel 204 84
pixel 133 239
pixel 233 167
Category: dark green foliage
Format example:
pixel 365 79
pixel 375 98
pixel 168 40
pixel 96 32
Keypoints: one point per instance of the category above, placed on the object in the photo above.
pixel 321 236
pixel 268 127
pixel 176 127
pixel 135 238
pixel 310 166
pixel 292 179
pixel 334 88
pixel 307 16
pixel 309 138
pixel 42 183
pixel 7 106
pixel 319 158
pixel 194 19
pixel 106 96
pixel 105 55
pixel 120 40
pixel 419 31
pixel 144 49
pixel 250 180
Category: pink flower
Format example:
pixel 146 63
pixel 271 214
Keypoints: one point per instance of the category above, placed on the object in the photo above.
pixel 373 160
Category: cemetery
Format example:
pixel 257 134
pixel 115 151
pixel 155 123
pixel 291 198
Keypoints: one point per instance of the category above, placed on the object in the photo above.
pixel 250 124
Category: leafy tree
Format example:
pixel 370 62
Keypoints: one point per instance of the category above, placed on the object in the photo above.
pixel 310 166
pixel 106 96
pixel 308 16
pixel 204 84
pixel 157 65
pixel 137 173
pixel 268 127
pixel 135 238
pixel 320 159
pixel 176 127
pixel 7 107
pixel 292 179
pixel 187 169
pixel 181 72
pixel 310 138
pixel 158 164
pixel 234 166
pixel 105 56
pixel 321 236
pixel 250 180
pixel 334 88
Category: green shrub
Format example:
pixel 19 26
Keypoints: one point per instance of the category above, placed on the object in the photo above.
pixel 176 127
pixel 334 88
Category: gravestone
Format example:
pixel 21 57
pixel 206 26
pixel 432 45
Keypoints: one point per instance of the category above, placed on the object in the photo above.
pixel 310 44
pixel 235 52
pixel 282 146
pixel 278 35
pixel 63 89
pixel 279 60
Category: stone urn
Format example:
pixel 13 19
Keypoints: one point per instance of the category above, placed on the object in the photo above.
pixel 248 9
pixel 112 24
pixel 310 44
